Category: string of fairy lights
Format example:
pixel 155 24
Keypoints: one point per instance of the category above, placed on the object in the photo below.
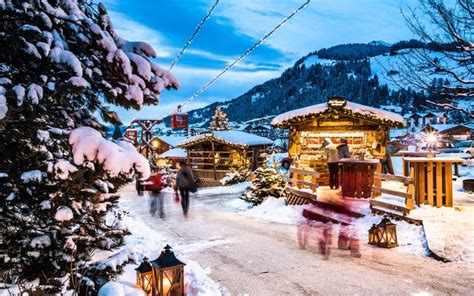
pixel 229 66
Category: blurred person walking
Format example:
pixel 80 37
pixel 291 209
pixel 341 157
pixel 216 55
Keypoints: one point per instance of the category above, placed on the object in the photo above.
pixel 185 182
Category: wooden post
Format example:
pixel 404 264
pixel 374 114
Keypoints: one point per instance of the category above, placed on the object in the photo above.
pixel 439 185
pixel 429 182
pixel 449 185
pixel 214 159
pixel 409 202
pixel 377 181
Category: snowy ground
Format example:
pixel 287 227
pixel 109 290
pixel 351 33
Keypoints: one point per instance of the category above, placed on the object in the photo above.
pixel 230 248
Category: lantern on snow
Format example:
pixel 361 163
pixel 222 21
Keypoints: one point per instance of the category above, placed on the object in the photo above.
pixel 168 274
pixel 145 276
pixel 179 120
pixel 383 234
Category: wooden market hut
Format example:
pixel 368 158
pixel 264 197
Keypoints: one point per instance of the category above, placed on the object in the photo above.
pixel 366 129
pixel 172 157
pixel 211 155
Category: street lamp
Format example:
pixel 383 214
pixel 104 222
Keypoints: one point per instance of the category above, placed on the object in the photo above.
pixel 168 274
pixel 383 234
pixel 145 276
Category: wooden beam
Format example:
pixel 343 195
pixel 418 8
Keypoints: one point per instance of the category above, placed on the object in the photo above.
pixel 304 172
pixel 391 192
pixel 214 159
pixel 387 177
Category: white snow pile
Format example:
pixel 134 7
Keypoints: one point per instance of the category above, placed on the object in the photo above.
pixel 146 241
pixel 3 106
pixel 275 210
pixel 117 289
pixel 63 168
pixel 121 158
pixel 40 242
pixel 31 176
pixel 63 213
pixel 43 136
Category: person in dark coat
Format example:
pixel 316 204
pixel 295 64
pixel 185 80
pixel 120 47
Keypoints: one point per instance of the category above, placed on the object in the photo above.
pixel 185 183
pixel 343 149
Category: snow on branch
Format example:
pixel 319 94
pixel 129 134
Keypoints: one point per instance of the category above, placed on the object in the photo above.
pixel 116 158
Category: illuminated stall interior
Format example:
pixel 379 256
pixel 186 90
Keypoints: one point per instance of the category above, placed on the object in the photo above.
pixel 213 154
pixel 365 128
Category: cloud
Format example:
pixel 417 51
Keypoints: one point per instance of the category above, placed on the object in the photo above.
pixel 134 31
pixel 321 24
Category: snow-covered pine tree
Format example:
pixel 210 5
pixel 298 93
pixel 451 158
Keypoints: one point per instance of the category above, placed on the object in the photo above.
pixel 268 182
pixel 219 121
pixel 59 61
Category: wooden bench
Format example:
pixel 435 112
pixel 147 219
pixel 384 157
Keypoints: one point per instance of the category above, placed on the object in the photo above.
pixel 378 205
pixel 299 182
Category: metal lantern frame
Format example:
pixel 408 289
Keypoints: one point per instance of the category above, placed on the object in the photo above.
pixel 145 276
pixel 384 234
pixel 168 274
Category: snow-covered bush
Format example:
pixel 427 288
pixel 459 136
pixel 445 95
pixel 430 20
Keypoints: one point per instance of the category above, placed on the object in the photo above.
pixel 235 177
pixel 267 182
pixel 59 62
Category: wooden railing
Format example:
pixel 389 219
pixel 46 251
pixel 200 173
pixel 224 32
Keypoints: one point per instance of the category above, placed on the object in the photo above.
pixel 298 180
pixel 407 195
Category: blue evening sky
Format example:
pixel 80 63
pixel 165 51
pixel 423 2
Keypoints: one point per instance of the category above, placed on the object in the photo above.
pixel 234 26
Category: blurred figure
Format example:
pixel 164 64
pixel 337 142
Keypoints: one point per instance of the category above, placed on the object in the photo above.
pixel 325 240
pixel 185 182
pixel 155 184
pixel 348 236
pixel 333 162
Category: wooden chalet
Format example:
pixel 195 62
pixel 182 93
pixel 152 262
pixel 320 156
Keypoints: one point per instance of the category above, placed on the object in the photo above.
pixel 452 132
pixel 162 144
pixel 211 155
pixel 365 128
pixel 172 157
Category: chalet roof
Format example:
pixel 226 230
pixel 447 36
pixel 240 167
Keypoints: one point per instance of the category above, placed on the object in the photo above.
pixel 441 127
pixel 349 109
pixel 173 141
pixel 174 153
pixel 233 138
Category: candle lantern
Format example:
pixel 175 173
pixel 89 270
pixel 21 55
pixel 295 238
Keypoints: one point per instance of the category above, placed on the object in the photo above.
pixel 168 274
pixel 145 276
pixel 384 234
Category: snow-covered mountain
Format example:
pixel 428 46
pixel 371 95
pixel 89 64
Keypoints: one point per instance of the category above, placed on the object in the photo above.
pixel 362 73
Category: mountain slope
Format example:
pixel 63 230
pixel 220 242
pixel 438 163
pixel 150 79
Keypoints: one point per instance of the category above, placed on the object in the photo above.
pixel 357 72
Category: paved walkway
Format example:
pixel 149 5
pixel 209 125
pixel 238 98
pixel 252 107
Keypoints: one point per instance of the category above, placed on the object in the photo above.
pixel 262 258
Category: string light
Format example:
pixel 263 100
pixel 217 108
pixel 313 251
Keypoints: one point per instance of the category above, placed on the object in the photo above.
pixel 196 31
pixel 241 57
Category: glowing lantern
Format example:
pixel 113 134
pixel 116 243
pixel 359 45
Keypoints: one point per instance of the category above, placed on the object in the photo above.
pixel 145 276
pixel 168 274
pixel 383 234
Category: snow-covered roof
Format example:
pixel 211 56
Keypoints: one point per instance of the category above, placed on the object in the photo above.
pixel 444 127
pixel 238 138
pixel 174 153
pixel 350 109
pixel 173 141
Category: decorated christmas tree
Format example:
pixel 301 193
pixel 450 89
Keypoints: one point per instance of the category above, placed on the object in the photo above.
pixel 220 122
pixel 268 182
pixel 59 62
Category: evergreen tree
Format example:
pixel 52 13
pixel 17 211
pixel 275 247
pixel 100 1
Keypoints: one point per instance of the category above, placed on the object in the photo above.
pixel 268 182
pixel 220 122
pixel 59 61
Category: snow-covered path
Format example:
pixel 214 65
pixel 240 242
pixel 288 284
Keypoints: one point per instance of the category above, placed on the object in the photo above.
pixel 256 257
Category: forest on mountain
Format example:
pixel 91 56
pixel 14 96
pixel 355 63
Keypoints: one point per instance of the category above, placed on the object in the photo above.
pixel 349 76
